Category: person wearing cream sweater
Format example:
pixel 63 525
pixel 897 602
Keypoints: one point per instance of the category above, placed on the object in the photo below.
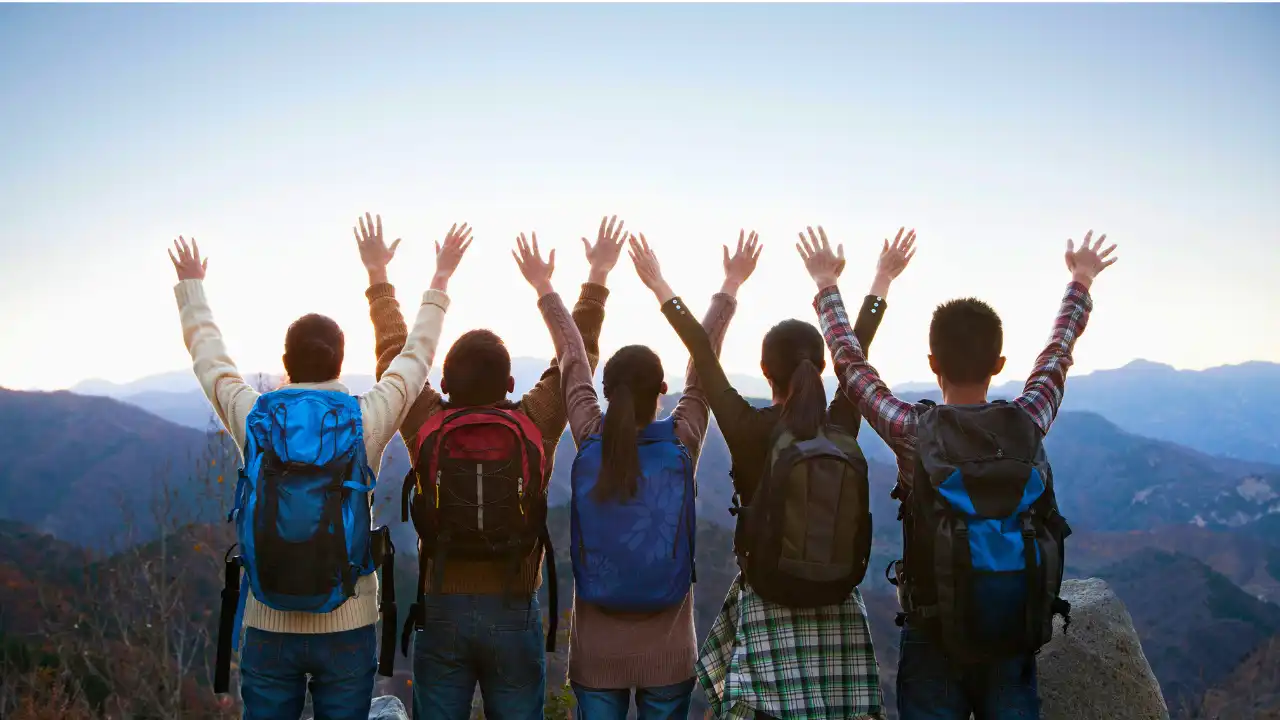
pixel 334 653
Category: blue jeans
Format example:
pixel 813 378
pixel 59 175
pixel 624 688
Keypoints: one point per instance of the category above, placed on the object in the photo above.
pixel 277 669
pixel 486 639
pixel 669 702
pixel 929 688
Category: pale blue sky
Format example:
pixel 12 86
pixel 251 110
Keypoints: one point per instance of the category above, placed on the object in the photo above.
pixel 997 131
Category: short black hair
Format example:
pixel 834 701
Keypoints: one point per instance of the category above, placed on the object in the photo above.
pixel 313 349
pixel 965 338
pixel 476 369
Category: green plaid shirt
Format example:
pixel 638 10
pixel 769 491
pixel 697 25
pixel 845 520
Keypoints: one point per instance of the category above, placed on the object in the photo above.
pixel 811 663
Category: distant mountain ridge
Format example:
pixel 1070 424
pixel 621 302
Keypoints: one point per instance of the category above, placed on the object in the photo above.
pixel 1231 410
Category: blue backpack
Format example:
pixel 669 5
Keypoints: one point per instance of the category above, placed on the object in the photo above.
pixel 638 555
pixel 982 535
pixel 302 511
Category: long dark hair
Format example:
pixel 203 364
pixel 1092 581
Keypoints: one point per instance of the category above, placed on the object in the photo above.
pixel 632 383
pixel 793 356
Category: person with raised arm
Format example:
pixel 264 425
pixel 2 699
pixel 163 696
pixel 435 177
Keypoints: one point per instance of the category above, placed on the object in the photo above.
pixel 478 620
pixel 982 535
pixel 787 646
pixel 303 511
pixel 633 516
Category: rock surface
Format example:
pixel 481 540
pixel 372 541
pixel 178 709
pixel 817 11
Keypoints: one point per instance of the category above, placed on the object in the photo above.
pixel 385 707
pixel 1096 670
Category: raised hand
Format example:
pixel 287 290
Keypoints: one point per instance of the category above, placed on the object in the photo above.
pixel 535 270
pixel 450 255
pixel 374 253
pixel 1086 263
pixel 603 256
pixel 824 266
pixel 893 260
pixel 187 262
pixel 743 262
pixel 646 264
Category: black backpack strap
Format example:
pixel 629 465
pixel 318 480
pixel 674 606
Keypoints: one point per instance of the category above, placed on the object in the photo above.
pixel 414 619
pixel 553 591
pixel 226 621
pixel 1035 588
pixel 406 489
pixel 387 604
pixel 951 566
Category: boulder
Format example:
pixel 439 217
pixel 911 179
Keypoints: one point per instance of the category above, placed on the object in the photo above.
pixel 385 707
pixel 1096 670
pixel 388 707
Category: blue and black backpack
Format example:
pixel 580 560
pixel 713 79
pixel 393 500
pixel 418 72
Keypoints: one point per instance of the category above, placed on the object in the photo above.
pixel 302 512
pixel 983 539
pixel 637 555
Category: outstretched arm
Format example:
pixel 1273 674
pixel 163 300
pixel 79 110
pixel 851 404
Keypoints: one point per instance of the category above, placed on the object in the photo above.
pixel 544 403
pixel 893 260
pixel 736 417
pixel 389 328
pixel 1042 395
pixel 581 404
pixel 385 406
pixel 232 398
pixel 692 411
pixel 893 419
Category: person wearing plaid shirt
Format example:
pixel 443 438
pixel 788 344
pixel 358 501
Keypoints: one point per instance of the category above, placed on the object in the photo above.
pixel 965 339
pixel 762 659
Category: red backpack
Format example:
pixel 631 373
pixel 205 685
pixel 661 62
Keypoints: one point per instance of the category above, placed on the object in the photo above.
pixel 478 492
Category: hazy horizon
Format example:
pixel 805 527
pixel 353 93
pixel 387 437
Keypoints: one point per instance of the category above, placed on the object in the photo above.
pixel 996 131
pixel 758 381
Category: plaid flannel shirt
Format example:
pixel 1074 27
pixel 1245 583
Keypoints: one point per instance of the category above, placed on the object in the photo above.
pixel 895 420
pixel 811 663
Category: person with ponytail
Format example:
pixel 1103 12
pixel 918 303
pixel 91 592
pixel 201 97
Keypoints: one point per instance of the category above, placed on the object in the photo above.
pixel 632 636
pixel 763 659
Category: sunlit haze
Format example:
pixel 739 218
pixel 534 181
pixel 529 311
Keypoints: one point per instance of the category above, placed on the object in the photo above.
pixel 996 131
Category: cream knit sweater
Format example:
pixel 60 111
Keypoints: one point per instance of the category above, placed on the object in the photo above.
pixel 382 408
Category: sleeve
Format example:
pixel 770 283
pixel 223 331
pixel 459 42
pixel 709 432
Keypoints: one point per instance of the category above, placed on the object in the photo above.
pixel 843 411
pixel 231 396
pixel 692 411
pixel 385 405
pixel 389 333
pixel 1042 395
pixel 582 407
pixel 736 417
pixel 543 403
pixel 893 419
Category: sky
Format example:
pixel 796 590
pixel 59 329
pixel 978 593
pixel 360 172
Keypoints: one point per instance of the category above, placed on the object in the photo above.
pixel 996 131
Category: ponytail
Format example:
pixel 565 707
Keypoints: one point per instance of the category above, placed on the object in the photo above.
pixel 805 409
pixel 620 457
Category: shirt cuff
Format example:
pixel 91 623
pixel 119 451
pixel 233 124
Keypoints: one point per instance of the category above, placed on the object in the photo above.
pixel 189 292
pixel 436 297
pixel 1077 292
pixel 592 292
pixel 825 296
pixel 379 291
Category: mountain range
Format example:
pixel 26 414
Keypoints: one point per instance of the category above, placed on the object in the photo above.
pixel 1187 532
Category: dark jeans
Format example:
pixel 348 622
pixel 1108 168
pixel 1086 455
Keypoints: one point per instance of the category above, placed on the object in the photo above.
pixel 487 639
pixel 929 688
pixel 277 669
pixel 669 702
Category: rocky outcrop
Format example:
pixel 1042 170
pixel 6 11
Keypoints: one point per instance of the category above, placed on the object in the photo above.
pixel 1096 670
pixel 385 707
